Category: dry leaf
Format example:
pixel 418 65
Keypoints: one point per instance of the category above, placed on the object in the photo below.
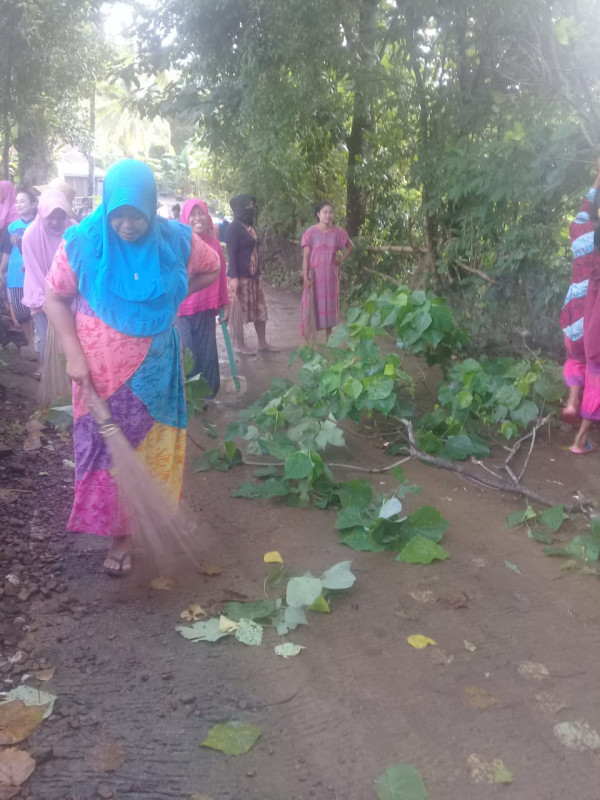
pixel 45 674
pixel 193 613
pixel 210 569
pixel 476 697
pixel 273 557
pixel 106 756
pixel 9 495
pixel 18 721
pixel 577 735
pixel 458 600
pixel 532 669
pixel 423 596
pixel 469 646
pixel 200 797
pixel 15 767
pixel 439 656
pixel 418 641
pixel 482 771
pixel 227 625
pixel 163 584
pixel 550 703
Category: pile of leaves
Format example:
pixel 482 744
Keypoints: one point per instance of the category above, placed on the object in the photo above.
pixel 299 594
pixel 582 550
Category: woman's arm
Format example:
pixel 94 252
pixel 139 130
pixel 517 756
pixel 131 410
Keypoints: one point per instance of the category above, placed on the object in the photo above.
pixel 203 266
pixel 349 248
pixel 62 320
pixel 306 276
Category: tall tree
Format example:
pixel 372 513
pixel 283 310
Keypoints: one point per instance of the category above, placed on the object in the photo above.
pixel 51 53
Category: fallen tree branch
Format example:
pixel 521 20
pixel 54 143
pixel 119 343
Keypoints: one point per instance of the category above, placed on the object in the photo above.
pixel 491 483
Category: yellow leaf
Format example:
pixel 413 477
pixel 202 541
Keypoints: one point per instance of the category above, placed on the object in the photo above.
pixel 419 641
pixel 321 605
pixel 227 625
pixel 469 646
pixel 164 584
pixel 193 613
pixel 210 569
pixel 273 557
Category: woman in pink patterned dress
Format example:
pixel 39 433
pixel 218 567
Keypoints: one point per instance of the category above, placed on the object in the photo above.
pixel 320 261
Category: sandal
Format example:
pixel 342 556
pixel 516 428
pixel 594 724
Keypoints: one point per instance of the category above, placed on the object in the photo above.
pixel 268 348
pixel 120 560
pixel 584 451
pixel 245 352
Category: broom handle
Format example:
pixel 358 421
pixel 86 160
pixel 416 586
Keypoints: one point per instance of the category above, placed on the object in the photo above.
pixel 100 410
pixel 236 380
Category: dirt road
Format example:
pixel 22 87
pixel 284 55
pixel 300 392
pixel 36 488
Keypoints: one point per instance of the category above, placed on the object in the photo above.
pixel 135 699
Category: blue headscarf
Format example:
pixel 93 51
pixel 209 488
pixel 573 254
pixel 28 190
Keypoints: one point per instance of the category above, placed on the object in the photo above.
pixel 135 287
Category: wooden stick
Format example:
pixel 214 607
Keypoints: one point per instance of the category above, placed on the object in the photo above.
pixel 475 271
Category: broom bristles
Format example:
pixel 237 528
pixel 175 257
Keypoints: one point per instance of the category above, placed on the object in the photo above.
pixel 155 520
pixel 54 383
pixel 235 324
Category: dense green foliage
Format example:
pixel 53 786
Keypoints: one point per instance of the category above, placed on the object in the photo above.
pixel 465 130
pixel 51 54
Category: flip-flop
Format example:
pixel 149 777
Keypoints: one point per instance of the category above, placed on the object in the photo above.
pixel 245 353
pixel 570 417
pixel 120 560
pixel 269 348
pixel 583 451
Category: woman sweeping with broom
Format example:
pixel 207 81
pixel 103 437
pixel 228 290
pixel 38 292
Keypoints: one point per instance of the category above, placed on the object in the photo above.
pixel 125 270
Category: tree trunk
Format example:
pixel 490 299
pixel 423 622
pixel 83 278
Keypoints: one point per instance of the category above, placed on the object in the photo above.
pixel 90 155
pixel 362 121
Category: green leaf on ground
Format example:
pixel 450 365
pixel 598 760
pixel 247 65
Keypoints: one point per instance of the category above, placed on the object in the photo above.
pixel 512 567
pixel 355 493
pixel 353 517
pixel 233 738
pixel 303 591
pixel 288 649
pixel 401 782
pixel 462 446
pixel 202 631
pixel 425 521
pixel 420 550
pixel 552 518
pixel 360 539
pixel 390 508
pixel 31 697
pixel 268 472
pixel 519 517
pixel 321 605
pixel 339 576
pixel 249 632
pixel 298 465
pixel 541 536
pixel 585 547
pixel 259 610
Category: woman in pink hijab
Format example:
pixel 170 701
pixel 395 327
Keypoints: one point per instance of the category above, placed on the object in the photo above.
pixel 196 318
pixel 40 242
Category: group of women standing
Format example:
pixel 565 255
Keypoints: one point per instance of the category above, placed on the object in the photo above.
pixel 31 229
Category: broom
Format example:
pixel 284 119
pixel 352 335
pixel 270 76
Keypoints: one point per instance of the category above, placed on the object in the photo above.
pixel 236 322
pixel 54 383
pixel 156 521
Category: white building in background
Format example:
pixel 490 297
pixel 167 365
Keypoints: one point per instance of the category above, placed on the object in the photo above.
pixel 73 168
